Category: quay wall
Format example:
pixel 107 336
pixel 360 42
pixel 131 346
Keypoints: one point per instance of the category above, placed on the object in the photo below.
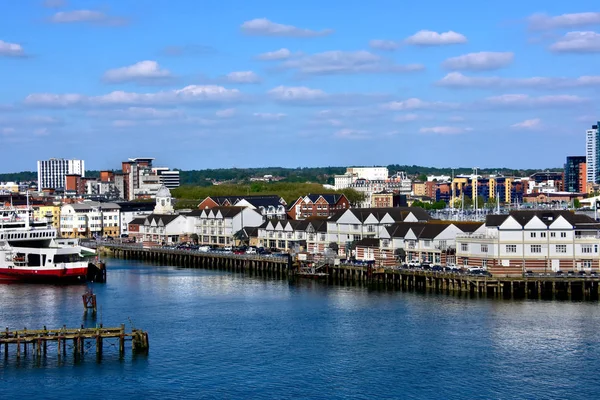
pixel 515 287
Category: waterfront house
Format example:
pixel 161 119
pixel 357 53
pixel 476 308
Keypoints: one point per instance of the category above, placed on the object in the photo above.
pixel 219 225
pixel 269 206
pixel 89 219
pixel 318 205
pixel 540 241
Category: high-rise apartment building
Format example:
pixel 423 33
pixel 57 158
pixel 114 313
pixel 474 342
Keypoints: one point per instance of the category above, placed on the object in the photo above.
pixel 576 174
pixel 592 153
pixel 52 172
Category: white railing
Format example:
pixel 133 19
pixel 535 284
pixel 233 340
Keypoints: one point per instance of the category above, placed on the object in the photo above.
pixel 476 236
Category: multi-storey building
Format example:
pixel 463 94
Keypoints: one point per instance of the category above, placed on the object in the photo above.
pixel 505 189
pixel 49 212
pixel 167 177
pixel 89 219
pixel 592 153
pixel 285 235
pixel 432 242
pixel 269 206
pixel 352 174
pixel 537 241
pixel 346 227
pixel 220 225
pixel 140 180
pixel 576 174
pixel 318 205
pixel 52 172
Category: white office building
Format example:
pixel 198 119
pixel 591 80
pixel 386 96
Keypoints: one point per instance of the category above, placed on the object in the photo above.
pixel 592 153
pixel 352 174
pixel 52 172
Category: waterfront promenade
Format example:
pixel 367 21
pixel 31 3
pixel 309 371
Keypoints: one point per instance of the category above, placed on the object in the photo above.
pixel 283 266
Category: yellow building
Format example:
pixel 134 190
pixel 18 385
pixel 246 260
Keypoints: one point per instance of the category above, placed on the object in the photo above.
pixel 51 212
pixel 419 189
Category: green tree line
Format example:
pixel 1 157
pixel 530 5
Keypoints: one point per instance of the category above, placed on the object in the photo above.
pixel 188 196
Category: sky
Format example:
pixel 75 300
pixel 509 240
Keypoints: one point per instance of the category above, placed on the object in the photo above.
pixel 221 84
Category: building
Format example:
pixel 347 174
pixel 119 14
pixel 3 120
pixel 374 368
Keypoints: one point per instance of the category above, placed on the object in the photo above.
pixel 576 174
pixel 89 219
pixel 52 172
pixel 284 235
pixel 163 225
pixel 419 189
pixel 50 213
pixel 386 199
pixel 352 174
pixel 540 241
pixel 167 177
pixel 318 205
pixel 219 225
pixel 131 210
pixel 140 180
pixel 269 206
pixel 592 153
pixel 398 183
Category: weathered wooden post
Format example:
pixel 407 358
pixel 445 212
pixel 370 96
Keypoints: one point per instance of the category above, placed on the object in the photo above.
pixel 122 341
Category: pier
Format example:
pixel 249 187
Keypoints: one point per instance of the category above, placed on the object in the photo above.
pixel 264 265
pixel 78 340
pixel 525 287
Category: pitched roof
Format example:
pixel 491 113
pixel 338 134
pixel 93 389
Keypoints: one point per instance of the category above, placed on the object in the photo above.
pixel 546 216
pixel 137 221
pixel 164 218
pixel 256 200
pixel 330 198
pixel 226 211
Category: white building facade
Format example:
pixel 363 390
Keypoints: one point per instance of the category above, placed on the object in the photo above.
pixel 52 172
pixel 592 153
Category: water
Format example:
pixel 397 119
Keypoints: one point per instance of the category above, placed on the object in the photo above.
pixel 216 335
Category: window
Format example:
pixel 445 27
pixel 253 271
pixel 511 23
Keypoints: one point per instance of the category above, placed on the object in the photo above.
pixel 511 248
pixel 533 234
pixel 536 248
pixel 465 262
pixel 587 263
pixel 563 234
pixel 443 244
pixel 464 247
pixel 543 234
pixel 355 227
pixel 484 263
pixel 552 234
pixel 427 243
pixel 586 248
pixel 561 248
pixel 484 248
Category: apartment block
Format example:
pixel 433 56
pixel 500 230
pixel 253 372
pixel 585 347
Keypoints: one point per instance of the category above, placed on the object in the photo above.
pixel 52 172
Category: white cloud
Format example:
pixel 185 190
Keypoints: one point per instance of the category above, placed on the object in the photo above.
pixel 11 49
pixel 407 117
pixel 75 16
pixel 346 62
pixel 264 27
pixel 280 54
pixel 485 60
pixel 140 72
pixel 528 124
pixel 145 113
pixel 445 130
pixel 351 134
pixel 524 100
pixel 242 77
pixel 387 45
pixel 270 116
pixel 458 80
pixel 431 38
pixel 226 113
pixel 418 104
pixel 188 94
pixel 544 21
pixel 302 95
pixel 577 42
pixel 7 130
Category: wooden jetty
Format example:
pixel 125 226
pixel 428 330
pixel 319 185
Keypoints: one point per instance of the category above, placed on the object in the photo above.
pixel 262 265
pixel 79 340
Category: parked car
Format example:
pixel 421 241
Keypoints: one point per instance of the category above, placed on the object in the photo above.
pixel 204 249
pixel 251 250
pixel 413 264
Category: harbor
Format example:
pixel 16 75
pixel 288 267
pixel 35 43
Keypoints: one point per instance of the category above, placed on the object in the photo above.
pixel 540 286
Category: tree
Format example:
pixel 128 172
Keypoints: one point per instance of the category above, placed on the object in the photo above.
pixel 334 246
pixel 194 237
pixel 438 205
pixel 422 178
pixel 576 203
pixel 480 202
pixel 491 203
pixel 400 254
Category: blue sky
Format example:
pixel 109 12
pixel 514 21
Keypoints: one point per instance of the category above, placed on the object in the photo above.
pixel 200 84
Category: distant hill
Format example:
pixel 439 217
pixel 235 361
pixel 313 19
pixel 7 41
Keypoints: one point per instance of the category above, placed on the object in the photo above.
pixel 205 177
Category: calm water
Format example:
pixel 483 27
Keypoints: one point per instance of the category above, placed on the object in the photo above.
pixel 216 335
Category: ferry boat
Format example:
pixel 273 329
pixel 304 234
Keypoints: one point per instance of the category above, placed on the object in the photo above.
pixel 30 250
